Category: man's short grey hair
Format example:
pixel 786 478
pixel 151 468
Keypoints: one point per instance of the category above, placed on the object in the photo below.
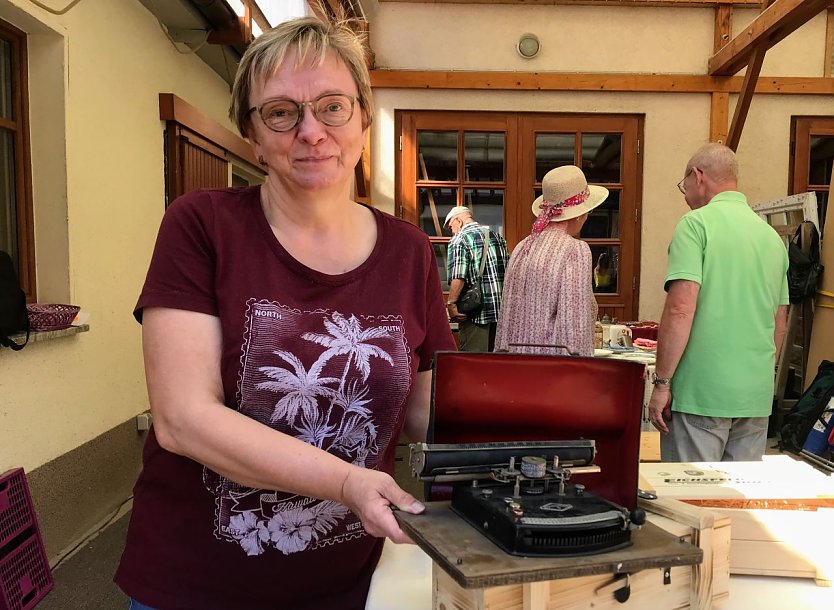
pixel 716 161
pixel 311 39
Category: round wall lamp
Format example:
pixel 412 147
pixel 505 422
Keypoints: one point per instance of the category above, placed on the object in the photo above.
pixel 528 46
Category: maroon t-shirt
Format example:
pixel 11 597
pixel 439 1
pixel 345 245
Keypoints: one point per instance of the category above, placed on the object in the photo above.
pixel 330 359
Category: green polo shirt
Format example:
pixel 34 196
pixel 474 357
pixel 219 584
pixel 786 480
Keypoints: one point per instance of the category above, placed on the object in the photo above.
pixel 741 264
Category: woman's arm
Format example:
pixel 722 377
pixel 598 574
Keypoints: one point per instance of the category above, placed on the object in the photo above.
pixel 417 417
pixel 182 364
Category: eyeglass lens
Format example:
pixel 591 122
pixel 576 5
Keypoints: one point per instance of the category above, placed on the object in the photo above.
pixel 681 186
pixel 332 110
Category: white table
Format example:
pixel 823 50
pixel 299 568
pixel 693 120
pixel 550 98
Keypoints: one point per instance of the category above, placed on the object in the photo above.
pixel 648 359
pixel 402 581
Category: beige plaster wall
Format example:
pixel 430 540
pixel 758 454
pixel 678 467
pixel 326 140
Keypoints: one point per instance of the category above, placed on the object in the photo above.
pixel 115 60
pixel 624 39
pixel 483 37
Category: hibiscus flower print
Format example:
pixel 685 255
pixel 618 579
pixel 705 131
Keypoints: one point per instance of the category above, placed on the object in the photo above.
pixel 249 532
pixel 290 531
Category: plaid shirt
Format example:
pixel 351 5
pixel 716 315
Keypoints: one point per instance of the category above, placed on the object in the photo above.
pixel 465 250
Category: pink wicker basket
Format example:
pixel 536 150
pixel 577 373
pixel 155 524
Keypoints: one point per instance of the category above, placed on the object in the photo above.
pixel 51 316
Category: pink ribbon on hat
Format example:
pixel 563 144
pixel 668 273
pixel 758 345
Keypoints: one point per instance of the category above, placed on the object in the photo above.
pixel 548 210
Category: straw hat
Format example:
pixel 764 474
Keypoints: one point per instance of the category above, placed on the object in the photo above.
pixel 455 211
pixel 566 188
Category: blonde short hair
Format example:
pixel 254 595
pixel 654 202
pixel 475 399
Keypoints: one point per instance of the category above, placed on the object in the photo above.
pixel 311 39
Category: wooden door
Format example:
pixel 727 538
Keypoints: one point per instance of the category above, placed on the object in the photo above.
pixel 812 160
pixel 607 149
pixel 494 163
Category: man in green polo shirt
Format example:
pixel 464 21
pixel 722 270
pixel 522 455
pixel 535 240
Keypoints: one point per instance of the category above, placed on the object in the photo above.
pixel 723 322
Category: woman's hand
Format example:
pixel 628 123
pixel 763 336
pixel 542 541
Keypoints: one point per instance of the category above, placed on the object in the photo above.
pixel 371 494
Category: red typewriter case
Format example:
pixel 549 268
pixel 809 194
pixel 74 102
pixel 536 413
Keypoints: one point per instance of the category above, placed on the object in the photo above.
pixel 490 397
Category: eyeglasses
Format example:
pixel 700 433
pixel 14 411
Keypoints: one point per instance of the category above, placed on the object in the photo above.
pixel 331 109
pixel 681 187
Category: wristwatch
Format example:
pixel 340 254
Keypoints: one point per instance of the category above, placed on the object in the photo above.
pixel 660 380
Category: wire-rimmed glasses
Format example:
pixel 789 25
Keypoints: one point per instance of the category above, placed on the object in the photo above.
pixel 331 109
pixel 681 187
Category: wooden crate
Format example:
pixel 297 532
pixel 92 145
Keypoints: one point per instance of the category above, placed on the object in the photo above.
pixel 689 586
pixel 781 510
pixel 707 529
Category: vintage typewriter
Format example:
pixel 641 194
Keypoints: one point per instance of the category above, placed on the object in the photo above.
pixel 519 495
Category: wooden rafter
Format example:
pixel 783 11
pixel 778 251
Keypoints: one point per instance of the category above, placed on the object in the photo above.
pixel 615 82
pixel 772 25
pixel 328 9
pixel 719 100
pixel 751 77
pixel 745 97
pixel 238 33
pixel 259 17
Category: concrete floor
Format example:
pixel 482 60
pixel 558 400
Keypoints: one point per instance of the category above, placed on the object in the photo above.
pixel 84 581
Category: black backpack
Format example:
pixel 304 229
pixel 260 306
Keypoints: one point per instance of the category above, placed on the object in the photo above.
pixel 804 271
pixel 14 318
pixel 799 420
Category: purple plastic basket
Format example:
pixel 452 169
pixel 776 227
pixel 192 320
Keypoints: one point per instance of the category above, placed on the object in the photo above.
pixel 51 316
pixel 25 577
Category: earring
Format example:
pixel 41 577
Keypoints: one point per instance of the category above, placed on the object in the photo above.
pixel 261 160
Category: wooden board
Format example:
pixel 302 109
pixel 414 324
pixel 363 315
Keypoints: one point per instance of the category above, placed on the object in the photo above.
pixel 649 446
pixel 473 561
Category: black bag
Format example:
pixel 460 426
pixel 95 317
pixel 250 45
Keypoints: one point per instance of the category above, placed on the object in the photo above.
pixel 14 318
pixel 799 420
pixel 472 299
pixel 804 270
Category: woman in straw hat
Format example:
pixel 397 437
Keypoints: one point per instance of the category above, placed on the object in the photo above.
pixel 548 298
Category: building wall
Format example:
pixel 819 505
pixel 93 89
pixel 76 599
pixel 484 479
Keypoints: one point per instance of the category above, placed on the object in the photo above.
pixel 598 39
pixel 97 161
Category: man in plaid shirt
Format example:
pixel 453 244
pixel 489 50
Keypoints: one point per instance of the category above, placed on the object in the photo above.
pixel 476 333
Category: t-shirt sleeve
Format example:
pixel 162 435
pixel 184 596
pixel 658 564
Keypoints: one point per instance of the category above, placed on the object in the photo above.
pixel 182 270
pixel 438 332
pixel 686 253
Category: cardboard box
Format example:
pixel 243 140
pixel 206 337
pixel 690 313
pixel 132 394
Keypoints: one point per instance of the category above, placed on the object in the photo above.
pixel 782 511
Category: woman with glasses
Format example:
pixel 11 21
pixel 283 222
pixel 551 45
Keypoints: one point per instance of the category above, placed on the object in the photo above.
pixel 288 336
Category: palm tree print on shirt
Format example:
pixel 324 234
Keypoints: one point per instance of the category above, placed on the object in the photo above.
pixel 328 405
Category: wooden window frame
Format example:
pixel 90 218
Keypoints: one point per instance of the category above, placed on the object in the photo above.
pixel 803 128
pixel 22 158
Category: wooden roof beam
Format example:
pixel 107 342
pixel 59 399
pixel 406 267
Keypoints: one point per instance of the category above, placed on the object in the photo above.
pixel 772 25
pixel 612 82
pixel 745 97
